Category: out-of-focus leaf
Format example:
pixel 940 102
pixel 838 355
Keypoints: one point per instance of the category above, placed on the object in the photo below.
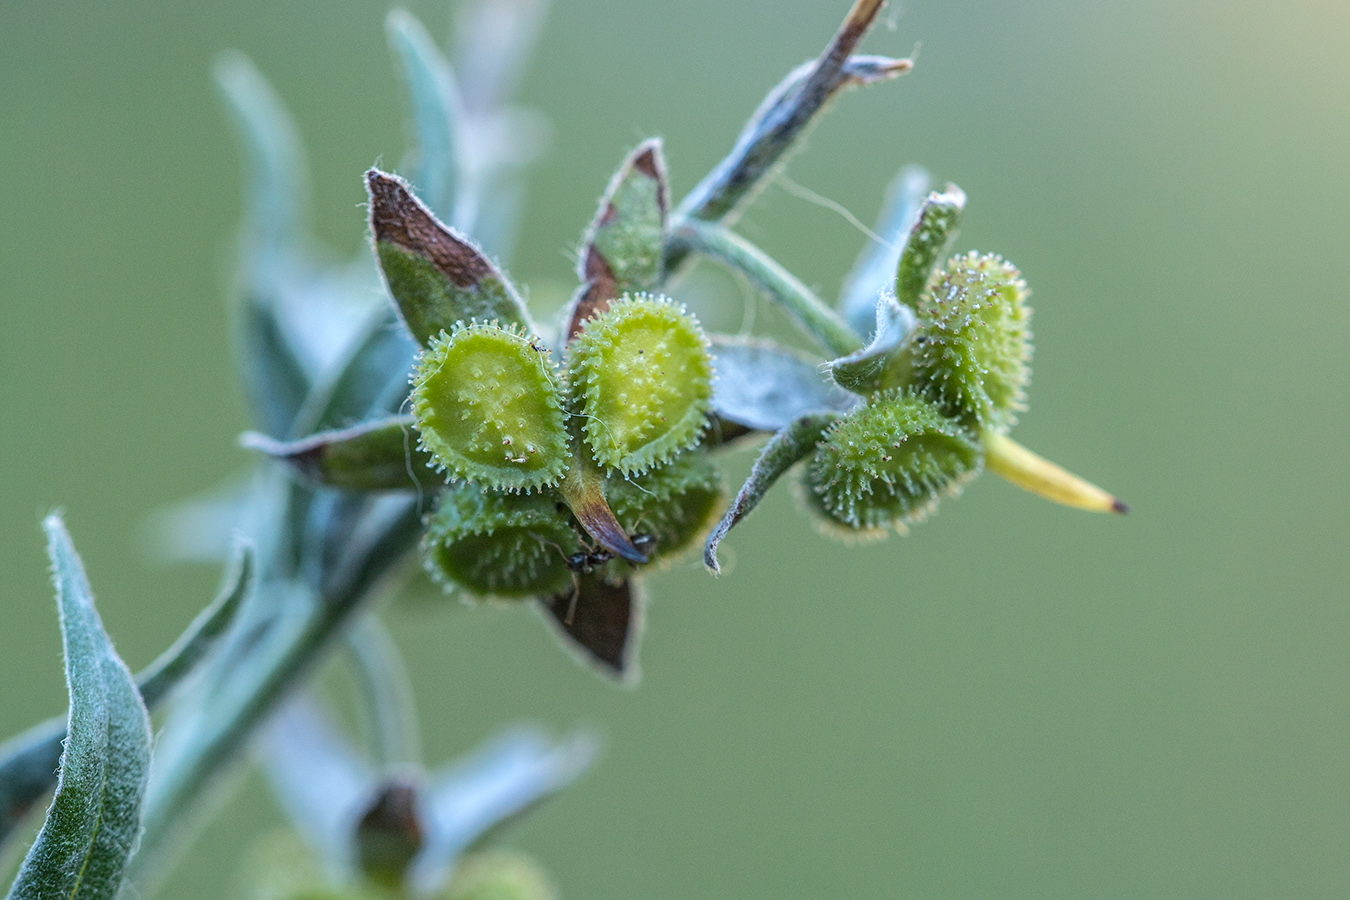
pixel 95 818
pixel 437 277
pixel 930 238
pixel 436 110
pixel 374 456
pixel 322 783
pixel 883 363
pixel 29 762
pixel 274 375
pixel 506 777
pixel 874 271
pixel 385 689
pixel 370 382
pixel 764 386
pixel 492 46
pixel 783 450
pixel 624 245
pixel 601 622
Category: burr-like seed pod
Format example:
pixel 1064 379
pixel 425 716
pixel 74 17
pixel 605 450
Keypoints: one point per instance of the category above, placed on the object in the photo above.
pixel 641 377
pixel 487 406
pixel 973 348
pixel 890 461
pixel 493 544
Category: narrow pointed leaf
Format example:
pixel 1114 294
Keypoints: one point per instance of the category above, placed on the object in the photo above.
pixel 601 621
pixel 375 456
pixel 785 114
pixel 436 277
pixel 783 450
pixel 1037 475
pixel 874 271
pixel 29 762
pixel 885 362
pixel 436 109
pixel 274 374
pixel 764 386
pixel 508 776
pixel 94 821
pixel 930 239
pixel 623 248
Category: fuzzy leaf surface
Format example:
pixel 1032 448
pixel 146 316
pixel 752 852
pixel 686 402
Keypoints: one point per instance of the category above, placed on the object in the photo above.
pixel 374 456
pixel 764 386
pixel 436 277
pixel 883 363
pixel 783 450
pixel 95 818
pixel 930 239
pixel 623 248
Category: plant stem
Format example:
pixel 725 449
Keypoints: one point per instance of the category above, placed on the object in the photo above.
pixel 782 287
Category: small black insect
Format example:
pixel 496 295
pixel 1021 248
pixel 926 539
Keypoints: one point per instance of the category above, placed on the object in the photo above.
pixel 585 562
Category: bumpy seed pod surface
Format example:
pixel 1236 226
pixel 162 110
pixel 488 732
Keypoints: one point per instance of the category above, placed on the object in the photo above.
pixel 641 376
pixel 487 407
pixel 973 349
pixel 505 545
pixel 671 504
pixel 891 461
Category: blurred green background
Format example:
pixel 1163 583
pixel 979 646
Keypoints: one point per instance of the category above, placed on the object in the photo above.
pixel 1016 700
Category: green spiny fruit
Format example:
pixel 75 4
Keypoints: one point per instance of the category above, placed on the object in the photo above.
pixel 487 407
pixel 973 348
pixel 671 504
pixel 641 375
pixel 504 545
pixel 890 461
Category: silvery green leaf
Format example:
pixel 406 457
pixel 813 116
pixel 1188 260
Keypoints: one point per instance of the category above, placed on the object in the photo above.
pixel 764 386
pixel 600 621
pixel 783 117
pixel 503 779
pixel 930 239
pixel 29 762
pixel 624 245
pixel 783 450
pixel 94 821
pixel 374 456
pixel 884 363
pixel 436 277
pixel 319 779
pixel 436 110
pixel 874 271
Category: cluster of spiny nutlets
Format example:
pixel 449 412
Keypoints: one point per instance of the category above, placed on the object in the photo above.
pixel 569 461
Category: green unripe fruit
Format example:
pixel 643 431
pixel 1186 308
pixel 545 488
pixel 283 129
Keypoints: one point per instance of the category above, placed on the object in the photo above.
pixel 891 461
pixel 672 504
pixel 641 376
pixel 504 545
pixel 973 348
pixel 487 407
